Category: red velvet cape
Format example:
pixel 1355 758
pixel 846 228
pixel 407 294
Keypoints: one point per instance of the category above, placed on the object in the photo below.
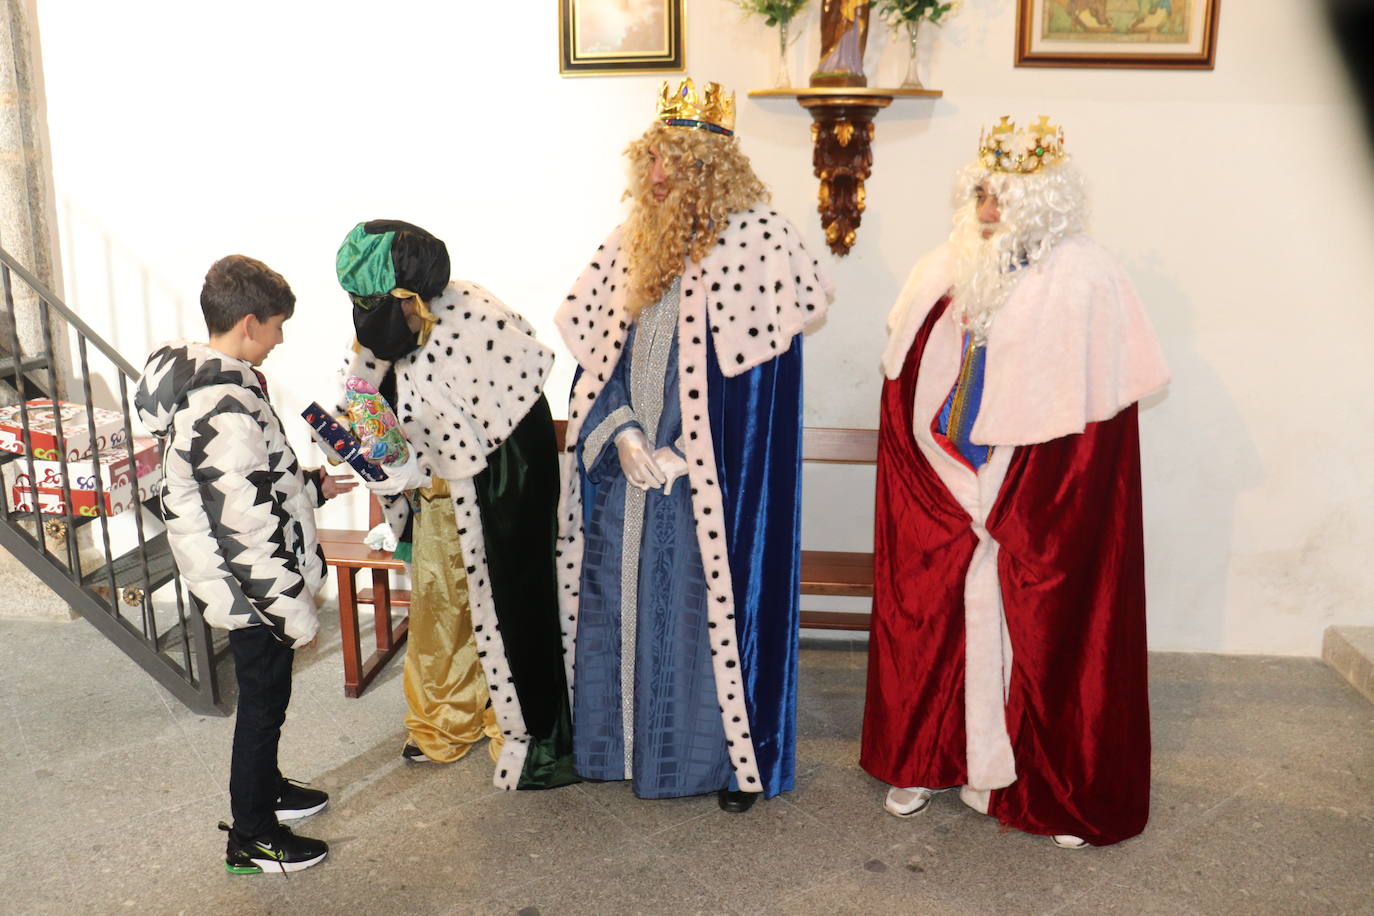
pixel 1071 568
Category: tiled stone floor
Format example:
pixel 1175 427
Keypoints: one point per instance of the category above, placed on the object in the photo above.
pixel 1263 803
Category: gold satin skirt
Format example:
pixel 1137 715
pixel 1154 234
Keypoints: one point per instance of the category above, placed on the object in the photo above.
pixel 448 708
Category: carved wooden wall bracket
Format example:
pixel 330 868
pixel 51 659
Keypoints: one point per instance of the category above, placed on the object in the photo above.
pixel 842 133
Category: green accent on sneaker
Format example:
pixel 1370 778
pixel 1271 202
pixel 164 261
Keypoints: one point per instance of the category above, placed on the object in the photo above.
pixel 233 869
pixel 277 854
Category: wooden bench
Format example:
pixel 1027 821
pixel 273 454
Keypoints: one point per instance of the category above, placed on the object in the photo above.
pixel 345 551
pixel 823 572
pixel 837 572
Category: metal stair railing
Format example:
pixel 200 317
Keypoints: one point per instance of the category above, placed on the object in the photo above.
pixel 124 581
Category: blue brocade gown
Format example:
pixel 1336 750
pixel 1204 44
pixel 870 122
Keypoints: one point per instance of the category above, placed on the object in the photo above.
pixel 644 707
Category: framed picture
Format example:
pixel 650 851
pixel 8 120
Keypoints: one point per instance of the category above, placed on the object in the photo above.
pixel 619 36
pixel 1117 33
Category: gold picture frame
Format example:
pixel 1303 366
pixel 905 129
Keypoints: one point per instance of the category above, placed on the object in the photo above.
pixel 603 37
pixel 1147 34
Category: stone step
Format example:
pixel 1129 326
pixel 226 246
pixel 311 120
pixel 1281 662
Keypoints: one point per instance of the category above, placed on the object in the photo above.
pixel 1350 651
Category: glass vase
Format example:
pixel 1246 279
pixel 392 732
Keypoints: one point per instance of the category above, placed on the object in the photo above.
pixel 913 78
pixel 784 78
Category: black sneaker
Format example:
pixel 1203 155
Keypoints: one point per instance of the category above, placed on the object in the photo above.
pixel 297 800
pixel 281 850
pixel 412 754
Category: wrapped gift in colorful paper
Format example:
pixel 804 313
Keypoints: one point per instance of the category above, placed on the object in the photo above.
pixel 373 422
pixel 339 442
pixel 77 434
pixel 117 493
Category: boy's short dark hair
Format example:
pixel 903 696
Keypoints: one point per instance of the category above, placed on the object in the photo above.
pixel 239 285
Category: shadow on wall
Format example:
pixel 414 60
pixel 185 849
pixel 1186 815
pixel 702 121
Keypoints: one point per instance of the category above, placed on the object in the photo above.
pixel 1193 474
pixel 1352 27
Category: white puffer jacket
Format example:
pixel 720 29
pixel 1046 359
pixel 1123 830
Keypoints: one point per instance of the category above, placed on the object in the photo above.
pixel 240 513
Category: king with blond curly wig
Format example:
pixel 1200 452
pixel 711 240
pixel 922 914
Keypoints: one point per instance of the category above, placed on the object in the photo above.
pixel 682 469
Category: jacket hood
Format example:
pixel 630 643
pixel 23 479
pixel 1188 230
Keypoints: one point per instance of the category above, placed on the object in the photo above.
pixel 178 368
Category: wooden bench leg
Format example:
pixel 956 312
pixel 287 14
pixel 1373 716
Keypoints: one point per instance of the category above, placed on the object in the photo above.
pixel 357 675
pixel 348 631
pixel 381 606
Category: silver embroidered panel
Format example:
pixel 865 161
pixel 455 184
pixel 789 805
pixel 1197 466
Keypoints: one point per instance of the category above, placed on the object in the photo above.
pixel 653 344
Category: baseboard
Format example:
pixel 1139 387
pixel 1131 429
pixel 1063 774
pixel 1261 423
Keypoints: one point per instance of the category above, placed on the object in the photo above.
pixel 1350 651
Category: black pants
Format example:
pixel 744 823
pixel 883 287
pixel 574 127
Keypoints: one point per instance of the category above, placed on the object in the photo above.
pixel 263 667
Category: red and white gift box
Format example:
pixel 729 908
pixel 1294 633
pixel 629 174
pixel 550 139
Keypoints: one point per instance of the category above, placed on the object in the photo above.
pixel 76 431
pixel 115 481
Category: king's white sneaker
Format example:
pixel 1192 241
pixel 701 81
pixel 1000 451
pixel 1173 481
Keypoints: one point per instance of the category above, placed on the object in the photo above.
pixel 906 802
pixel 1068 841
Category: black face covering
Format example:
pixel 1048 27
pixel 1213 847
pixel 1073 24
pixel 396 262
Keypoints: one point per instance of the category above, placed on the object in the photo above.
pixel 382 328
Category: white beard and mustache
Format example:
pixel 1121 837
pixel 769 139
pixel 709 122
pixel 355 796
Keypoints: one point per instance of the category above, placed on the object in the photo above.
pixel 984 271
pixel 1037 212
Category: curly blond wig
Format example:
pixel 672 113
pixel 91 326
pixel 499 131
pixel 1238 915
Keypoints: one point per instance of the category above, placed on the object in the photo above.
pixel 709 179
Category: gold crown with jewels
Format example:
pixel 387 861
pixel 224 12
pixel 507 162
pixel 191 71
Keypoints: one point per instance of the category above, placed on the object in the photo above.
pixel 1026 151
pixel 713 109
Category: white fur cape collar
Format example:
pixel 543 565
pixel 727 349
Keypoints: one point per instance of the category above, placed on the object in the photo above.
pixel 1071 346
pixel 461 394
pixel 762 286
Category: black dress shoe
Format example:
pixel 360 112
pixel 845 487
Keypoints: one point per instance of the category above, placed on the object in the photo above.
pixel 736 802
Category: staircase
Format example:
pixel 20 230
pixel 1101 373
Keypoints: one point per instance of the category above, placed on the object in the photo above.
pixel 113 568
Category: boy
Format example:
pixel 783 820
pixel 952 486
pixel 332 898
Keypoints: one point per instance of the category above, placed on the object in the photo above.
pixel 240 521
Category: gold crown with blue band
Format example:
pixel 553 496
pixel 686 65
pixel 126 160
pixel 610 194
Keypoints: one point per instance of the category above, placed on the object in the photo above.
pixel 712 109
pixel 1004 148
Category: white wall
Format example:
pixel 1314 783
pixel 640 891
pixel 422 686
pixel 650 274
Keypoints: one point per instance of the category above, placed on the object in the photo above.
pixel 1239 200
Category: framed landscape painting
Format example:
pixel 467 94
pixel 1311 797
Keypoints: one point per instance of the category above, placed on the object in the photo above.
pixel 619 36
pixel 1117 33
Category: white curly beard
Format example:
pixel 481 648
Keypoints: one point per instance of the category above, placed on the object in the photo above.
pixel 983 271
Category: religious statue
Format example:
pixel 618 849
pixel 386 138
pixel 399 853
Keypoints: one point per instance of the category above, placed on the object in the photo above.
pixel 844 35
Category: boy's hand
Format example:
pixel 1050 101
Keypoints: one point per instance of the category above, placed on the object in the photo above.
pixel 333 486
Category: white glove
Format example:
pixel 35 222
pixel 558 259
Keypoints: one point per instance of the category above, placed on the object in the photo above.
pixel 672 465
pixel 381 538
pixel 636 461
pixel 399 478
